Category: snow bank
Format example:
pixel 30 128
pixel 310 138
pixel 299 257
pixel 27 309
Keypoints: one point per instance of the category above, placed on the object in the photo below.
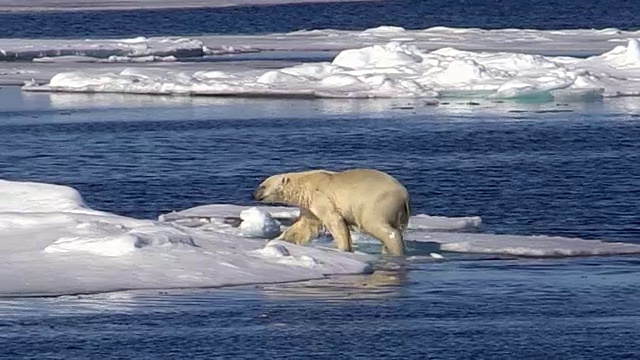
pixel 441 223
pixel 52 243
pixel 391 71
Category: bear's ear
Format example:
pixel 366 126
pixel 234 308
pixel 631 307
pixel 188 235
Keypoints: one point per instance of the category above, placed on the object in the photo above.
pixel 285 180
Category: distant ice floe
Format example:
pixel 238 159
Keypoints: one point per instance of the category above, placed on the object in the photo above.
pixel 382 62
pixel 574 42
pixel 93 50
pixel 51 243
pixel 393 70
pixel 549 42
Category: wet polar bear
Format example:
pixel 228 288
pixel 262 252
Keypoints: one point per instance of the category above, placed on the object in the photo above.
pixel 368 200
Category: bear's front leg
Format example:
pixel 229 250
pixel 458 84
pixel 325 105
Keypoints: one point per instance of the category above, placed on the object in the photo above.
pixel 307 228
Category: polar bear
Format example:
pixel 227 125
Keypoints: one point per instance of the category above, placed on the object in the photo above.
pixel 367 200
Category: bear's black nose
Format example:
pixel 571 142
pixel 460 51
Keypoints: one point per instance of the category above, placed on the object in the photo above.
pixel 258 193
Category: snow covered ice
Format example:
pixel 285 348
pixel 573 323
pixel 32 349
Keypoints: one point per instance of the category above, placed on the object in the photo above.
pixel 51 243
pixel 391 70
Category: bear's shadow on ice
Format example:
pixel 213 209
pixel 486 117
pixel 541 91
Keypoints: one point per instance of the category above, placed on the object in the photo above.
pixel 235 221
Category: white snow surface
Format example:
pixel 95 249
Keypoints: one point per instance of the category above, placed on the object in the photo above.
pixel 392 70
pixel 52 243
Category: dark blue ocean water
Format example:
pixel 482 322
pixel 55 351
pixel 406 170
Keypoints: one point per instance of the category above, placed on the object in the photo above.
pixel 411 14
pixel 525 168
pixel 583 309
pixel 551 169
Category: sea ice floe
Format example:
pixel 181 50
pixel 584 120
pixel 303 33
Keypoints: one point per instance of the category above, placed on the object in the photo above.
pixel 52 243
pixel 527 246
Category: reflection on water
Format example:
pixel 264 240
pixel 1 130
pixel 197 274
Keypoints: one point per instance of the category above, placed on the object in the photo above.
pixel 383 283
pixel 204 107
pixel 380 284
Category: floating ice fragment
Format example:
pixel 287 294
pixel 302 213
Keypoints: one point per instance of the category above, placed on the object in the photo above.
pixel 258 223
pixel 440 223
pixel 530 246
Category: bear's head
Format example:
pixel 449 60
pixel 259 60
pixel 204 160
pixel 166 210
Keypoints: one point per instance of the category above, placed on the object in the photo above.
pixel 271 189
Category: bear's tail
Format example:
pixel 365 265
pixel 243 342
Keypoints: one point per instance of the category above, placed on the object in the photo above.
pixel 403 219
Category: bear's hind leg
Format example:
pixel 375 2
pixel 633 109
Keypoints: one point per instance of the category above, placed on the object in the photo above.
pixel 339 230
pixel 391 239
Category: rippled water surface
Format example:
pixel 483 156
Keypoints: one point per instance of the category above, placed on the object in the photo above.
pixel 411 14
pixel 584 309
pixel 526 168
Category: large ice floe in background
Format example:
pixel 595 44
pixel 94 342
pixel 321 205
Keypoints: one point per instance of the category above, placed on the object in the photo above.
pixel 583 42
pixel 51 243
pixel 391 70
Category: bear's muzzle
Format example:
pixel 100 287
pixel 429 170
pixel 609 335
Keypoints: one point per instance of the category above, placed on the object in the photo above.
pixel 258 194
